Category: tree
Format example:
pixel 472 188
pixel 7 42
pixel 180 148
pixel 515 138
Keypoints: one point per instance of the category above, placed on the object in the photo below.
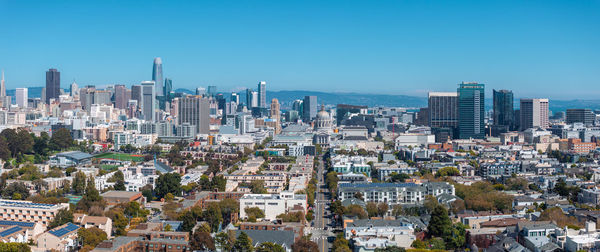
pixel 356 210
pixel 119 185
pixel 447 171
pixel 418 244
pixel 120 222
pixel 390 249
pixel 14 247
pixel 4 150
pixel 63 216
pixel 440 222
pixel 213 216
pixel 79 183
pixel 254 213
pixel 258 186
pixel 228 208
pixel 202 241
pixel 269 247
pixel 16 188
pixel 305 245
pixel 224 241
pixel 168 183
pixel 61 139
pixel 243 243
pixel 340 244
pixel 456 237
pixel 382 208
pixel 372 209
pixel 557 215
pixel 430 203
pixel 188 221
pixel 91 236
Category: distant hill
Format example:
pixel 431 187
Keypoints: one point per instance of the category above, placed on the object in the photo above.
pixel 371 100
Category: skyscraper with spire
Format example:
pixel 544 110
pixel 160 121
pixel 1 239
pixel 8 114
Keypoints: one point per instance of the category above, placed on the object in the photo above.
pixel 157 76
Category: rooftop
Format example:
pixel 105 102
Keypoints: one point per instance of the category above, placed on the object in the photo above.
pixel 28 204
pixel 78 155
pixel 64 230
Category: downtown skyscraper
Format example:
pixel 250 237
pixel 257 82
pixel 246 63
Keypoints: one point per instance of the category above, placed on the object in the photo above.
pixel 157 76
pixel 503 115
pixel 471 110
pixel 52 84
pixel 148 104
pixel 195 111
pixel 309 108
pixel 534 113
pixel 262 94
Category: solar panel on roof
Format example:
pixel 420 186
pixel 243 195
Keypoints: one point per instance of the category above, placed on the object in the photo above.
pixel 16 223
pixel 64 230
pixel 10 231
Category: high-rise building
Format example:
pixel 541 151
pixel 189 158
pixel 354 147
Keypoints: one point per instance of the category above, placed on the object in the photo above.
pixel 254 99
pixel 249 98
pixel 157 76
pixel 276 115
pixel 195 111
pixel 22 96
pixel 534 113
pixel 212 91
pixel 235 97
pixel 344 109
pixel 136 94
pixel 168 89
pixel 121 98
pixel 443 109
pixel 148 104
pixel 310 108
pixel 200 91
pixel 503 108
pixel 471 110
pixel 74 90
pixel 262 94
pixel 585 116
pixel 2 86
pixel 52 84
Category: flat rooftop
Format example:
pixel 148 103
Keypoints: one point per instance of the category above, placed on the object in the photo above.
pixel 28 204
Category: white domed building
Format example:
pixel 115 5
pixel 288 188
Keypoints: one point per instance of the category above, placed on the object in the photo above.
pixel 323 128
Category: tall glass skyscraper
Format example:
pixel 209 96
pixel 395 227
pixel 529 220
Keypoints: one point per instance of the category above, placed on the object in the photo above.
pixel 52 84
pixel 503 109
pixel 167 89
pixel 471 101
pixel 157 76
pixel 262 94
pixel 148 101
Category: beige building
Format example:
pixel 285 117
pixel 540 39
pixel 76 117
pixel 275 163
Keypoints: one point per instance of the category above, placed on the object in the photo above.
pixel 101 222
pixel 63 238
pixel 19 210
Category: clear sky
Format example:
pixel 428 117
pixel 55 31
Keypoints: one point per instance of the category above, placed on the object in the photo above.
pixel 536 48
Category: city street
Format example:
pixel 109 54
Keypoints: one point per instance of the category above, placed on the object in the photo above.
pixel 322 216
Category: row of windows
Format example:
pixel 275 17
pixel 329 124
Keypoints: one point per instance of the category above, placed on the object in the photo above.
pixel 28 211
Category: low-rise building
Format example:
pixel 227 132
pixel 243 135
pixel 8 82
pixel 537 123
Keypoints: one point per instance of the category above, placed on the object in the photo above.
pixel 62 238
pixel 273 204
pixel 17 210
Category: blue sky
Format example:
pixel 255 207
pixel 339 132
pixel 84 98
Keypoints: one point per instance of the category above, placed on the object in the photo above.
pixel 536 48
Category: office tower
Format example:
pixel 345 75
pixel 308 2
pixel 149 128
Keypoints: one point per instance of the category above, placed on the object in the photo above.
pixel 157 76
pixel 148 104
pixel 74 90
pixel 52 84
pixel 443 109
pixel 195 111
pixel 262 94
pixel 585 116
pixel 121 98
pixel 471 101
pixel 310 108
pixel 503 108
pixel 22 96
pixel 167 89
pixel 249 98
pixel 212 91
pixel 342 110
pixel 534 113
pixel 200 91
pixel 2 86
pixel 136 94
pixel 102 97
pixel 275 112
pixel 235 97
pixel 254 99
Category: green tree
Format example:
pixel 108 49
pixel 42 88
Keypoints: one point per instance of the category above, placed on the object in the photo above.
pixel 14 247
pixel 243 243
pixel 254 213
pixel 224 241
pixel 372 209
pixel 63 216
pixel 5 153
pixel 390 249
pixel 91 236
pixel 119 185
pixel 269 247
pixel 213 216
pixel 16 188
pixel 340 244
pixel 168 183
pixel 258 186
pixel 79 183
pixel 61 139
pixel 447 171
pixel 456 237
pixel 440 222
pixel 418 244
pixel 188 221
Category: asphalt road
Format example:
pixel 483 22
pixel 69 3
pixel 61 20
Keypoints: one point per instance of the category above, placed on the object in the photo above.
pixel 322 222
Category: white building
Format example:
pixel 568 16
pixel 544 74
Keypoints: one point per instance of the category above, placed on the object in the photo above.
pixel 414 139
pixel 273 204
pixel 21 95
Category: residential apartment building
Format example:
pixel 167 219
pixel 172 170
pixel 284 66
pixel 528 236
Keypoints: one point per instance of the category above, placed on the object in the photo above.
pixel 273 204
pixel 16 210
pixel 394 193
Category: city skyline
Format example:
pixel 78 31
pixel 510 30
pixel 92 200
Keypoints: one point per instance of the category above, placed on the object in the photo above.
pixel 395 48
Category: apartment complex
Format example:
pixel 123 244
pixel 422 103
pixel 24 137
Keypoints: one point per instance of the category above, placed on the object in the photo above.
pixel 28 211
